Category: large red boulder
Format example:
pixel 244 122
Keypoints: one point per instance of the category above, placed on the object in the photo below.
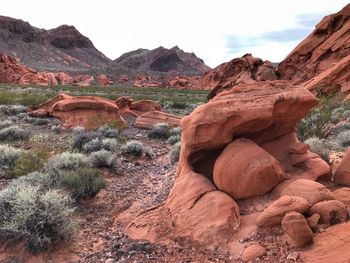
pixel 342 173
pixel 245 170
pixel 264 112
pixel 148 119
pixel 312 191
pixel 296 227
pixel 274 213
pixel 87 111
pixel 244 70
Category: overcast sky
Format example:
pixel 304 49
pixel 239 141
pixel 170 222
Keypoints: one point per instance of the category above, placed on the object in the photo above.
pixel 217 31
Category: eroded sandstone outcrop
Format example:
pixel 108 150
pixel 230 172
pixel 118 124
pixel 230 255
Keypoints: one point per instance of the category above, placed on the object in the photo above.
pixel 265 113
pixel 87 111
pixel 322 59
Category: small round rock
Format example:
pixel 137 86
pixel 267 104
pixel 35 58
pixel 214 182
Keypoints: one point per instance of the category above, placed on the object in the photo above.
pixel 253 251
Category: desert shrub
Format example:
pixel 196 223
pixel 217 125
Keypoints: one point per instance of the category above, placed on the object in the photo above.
pixel 174 154
pixel 108 132
pixel 136 148
pixel 13 109
pixel 343 139
pixel 175 131
pixel 101 158
pixel 28 162
pixel 36 179
pixel 82 138
pixel 78 129
pixel 179 105
pixel 147 151
pixel 5 124
pixel 39 121
pixel 133 147
pixel 35 215
pixel 80 183
pixel 8 157
pixel 167 104
pixel 346 114
pixel 321 146
pixel 174 139
pixel 13 133
pixel 159 131
pixel 67 162
pixel 110 144
pixel 92 146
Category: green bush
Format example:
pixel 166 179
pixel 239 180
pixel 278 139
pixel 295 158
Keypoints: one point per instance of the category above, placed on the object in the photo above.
pixel 320 146
pixel 8 157
pixel 81 138
pixel 108 132
pixel 67 162
pixel 174 139
pixel 159 131
pixel 174 154
pixel 13 109
pixel 133 147
pixel 13 133
pixel 81 183
pixel 28 162
pixel 101 158
pixel 343 139
pixel 35 215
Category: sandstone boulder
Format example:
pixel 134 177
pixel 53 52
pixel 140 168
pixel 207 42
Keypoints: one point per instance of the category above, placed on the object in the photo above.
pixel 148 119
pixel 253 252
pixel 310 190
pixel 245 170
pixel 264 112
pixel 296 227
pixel 331 212
pixel 343 195
pixel 274 213
pixel 313 221
pixel 244 70
pixel 87 111
pixel 342 174
pixel 145 105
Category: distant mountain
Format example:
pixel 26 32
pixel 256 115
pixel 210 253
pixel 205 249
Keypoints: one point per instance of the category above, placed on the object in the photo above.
pixel 60 49
pixel 163 60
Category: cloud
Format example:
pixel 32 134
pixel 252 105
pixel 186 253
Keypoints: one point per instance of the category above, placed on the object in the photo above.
pixel 237 45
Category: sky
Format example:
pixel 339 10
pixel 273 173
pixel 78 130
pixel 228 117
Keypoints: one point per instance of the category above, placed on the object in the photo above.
pixel 216 31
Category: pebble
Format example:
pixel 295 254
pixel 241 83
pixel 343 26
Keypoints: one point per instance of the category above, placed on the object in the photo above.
pixel 293 256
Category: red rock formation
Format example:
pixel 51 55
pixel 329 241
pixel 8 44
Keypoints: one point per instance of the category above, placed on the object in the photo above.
pixel 330 246
pixel 13 72
pixel 151 118
pixel 297 228
pixel 145 81
pixel 245 170
pixel 244 70
pixel 323 57
pixel 123 79
pixel 342 174
pixel 103 80
pixel 87 111
pixel 264 112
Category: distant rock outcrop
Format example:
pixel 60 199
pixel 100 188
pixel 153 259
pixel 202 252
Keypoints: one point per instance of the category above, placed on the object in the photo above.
pixel 163 60
pixel 323 58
